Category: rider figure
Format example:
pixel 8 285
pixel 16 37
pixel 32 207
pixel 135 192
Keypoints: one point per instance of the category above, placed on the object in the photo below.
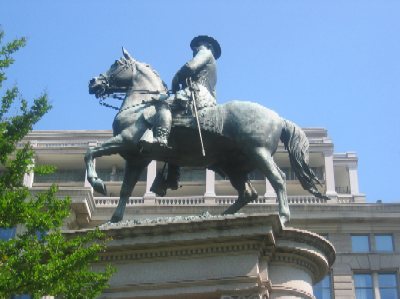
pixel 202 71
pixel 199 75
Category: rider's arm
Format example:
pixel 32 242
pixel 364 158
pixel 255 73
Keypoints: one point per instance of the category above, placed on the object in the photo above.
pixel 203 57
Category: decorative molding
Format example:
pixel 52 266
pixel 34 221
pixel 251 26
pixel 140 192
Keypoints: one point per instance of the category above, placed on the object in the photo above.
pixel 295 259
pixel 180 201
pixel 113 201
pixel 181 252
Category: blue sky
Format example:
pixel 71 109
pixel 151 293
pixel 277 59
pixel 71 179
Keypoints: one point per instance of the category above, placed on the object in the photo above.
pixel 330 64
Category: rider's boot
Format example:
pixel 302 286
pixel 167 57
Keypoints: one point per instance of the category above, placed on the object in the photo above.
pixel 161 135
pixel 159 185
pixel 173 176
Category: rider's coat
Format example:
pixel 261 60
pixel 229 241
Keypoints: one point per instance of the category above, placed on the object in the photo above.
pixel 202 70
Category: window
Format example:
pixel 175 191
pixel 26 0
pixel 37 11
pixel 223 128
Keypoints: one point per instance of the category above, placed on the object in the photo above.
pixel 363 286
pixel 360 243
pixel 323 290
pixel 40 235
pixel 384 243
pixel 7 233
pixel 380 243
pixel 388 285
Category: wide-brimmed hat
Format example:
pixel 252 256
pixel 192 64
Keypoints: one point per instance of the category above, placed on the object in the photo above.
pixel 204 38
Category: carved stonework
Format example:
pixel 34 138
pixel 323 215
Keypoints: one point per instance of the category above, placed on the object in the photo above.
pixel 182 252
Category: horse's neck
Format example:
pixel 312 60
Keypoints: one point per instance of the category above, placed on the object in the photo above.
pixel 144 90
pixel 136 98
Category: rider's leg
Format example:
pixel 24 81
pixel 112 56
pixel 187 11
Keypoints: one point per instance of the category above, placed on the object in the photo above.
pixel 162 126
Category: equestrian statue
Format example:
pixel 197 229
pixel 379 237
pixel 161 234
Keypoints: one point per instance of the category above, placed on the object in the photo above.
pixel 185 127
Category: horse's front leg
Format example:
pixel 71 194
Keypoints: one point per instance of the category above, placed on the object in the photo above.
pixel 110 147
pixel 133 169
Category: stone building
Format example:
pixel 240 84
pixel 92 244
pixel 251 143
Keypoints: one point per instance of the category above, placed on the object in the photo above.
pixel 366 235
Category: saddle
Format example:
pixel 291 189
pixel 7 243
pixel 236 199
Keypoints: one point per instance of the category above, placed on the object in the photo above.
pixel 210 118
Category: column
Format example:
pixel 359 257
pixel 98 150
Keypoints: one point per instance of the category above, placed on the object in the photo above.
pixel 375 284
pixel 113 173
pixel 329 174
pixel 151 175
pixel 353 177
pixel 210 184
pixel 29 176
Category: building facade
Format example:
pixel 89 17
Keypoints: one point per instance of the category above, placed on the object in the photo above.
pixel 366 235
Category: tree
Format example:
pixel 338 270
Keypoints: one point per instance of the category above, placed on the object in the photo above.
pixel 41 260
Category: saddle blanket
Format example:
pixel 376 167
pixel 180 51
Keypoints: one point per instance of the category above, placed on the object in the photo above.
pixel 211 119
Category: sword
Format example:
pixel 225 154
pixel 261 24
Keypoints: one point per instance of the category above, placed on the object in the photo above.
pixel 190 84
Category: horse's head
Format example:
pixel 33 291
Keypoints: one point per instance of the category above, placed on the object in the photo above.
pixel 117 79
pixel 123 75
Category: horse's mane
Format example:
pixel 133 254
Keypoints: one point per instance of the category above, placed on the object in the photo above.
pixel 157 75
pixel 126 61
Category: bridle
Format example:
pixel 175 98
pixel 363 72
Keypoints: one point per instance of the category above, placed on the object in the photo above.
pixel 109 80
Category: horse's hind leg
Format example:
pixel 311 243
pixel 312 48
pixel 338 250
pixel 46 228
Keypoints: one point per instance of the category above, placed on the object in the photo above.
pixel 246 192
pixel 133 169
pixel 267 166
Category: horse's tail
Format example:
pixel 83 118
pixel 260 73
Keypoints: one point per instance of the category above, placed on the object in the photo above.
pixel 296 143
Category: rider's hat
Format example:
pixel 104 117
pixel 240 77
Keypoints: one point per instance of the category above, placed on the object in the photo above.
pixel 204 38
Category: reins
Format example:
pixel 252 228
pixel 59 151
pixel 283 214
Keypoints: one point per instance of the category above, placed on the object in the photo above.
pixel 121 96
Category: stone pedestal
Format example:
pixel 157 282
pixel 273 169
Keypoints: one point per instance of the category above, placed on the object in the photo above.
pixel 218 257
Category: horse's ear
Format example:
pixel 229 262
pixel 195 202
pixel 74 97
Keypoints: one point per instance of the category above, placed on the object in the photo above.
pixel 126 54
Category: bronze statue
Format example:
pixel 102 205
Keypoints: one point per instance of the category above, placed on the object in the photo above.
pixel 239 137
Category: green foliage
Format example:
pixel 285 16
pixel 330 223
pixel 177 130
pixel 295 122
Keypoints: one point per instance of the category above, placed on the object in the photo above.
pixel 41 260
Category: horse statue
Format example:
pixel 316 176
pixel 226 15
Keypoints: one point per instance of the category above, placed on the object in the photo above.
pixel 239 137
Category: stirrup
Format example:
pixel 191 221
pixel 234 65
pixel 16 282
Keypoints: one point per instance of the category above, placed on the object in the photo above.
pixel 172 184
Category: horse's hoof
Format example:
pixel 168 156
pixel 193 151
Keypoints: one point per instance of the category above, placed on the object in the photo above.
pixel 284 219
pixel 100 187
pixel 115 219
pixel 232 209
pixel 250 197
